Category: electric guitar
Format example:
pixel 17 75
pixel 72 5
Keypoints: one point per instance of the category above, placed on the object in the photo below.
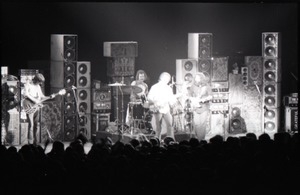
pixel 196 103
pixel 30 107
pixel 163 108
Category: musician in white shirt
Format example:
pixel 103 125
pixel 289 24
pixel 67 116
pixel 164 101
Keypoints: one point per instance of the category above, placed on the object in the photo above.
pixel 160 98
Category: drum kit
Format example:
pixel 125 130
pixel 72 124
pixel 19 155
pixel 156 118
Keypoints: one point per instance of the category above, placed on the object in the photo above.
pixel 137 112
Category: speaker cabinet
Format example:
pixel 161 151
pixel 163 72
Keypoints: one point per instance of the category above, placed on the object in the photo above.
pixel 272 70
pixel 84 100
pixel 219 69
pixel 101 100
pixel 252 108
pixel 70 127
pixel 271 120
pixel 271 95
pixel 291 119
pixel 271 47
pixel 83 74
pixel 12 136
pixel 255 69
pixel 237 124
pixel 236 88
pixel 62 74
pixel 186 70
pixel 205 66
pixel 120 49
pixel 200 45
pixel 120 66
pixel 64 47
pixel 13 95
pixel 85 125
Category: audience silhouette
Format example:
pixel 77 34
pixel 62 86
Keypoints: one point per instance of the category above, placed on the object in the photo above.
pixel 237 165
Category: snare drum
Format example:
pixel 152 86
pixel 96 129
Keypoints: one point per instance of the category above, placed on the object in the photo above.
pixel 136 110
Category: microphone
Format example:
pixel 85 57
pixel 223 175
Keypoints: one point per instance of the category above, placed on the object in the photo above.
pixel 73 87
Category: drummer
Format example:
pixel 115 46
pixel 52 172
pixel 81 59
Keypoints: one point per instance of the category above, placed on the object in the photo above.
pixel 139 92
pixel 139 96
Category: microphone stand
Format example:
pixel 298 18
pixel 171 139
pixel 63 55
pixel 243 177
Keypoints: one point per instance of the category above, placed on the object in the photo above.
pixel 265 108
pixel 77 109
pixel 224 116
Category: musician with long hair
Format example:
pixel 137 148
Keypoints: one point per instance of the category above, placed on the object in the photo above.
pixel 139 81
pixel 33 97
pixel 200 94
pixel 139 92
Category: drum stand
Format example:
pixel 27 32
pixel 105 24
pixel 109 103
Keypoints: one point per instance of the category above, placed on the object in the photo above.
pixel 135 123
pixel 121 128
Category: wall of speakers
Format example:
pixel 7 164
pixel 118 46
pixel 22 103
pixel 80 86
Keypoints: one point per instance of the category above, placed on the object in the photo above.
pixel 271 81
pixel 63 74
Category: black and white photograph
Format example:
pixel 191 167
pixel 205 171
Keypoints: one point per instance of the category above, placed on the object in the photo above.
pixel 149 97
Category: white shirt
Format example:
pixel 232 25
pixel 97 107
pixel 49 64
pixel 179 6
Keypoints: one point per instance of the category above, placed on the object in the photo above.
pixel 161 96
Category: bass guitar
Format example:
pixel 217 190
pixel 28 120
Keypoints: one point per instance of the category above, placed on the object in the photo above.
pixel 30 107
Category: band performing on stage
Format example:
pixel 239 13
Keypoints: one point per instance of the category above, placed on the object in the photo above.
pixel 207 97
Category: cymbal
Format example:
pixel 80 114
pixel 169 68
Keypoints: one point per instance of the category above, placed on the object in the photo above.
pixel 116 84
pixel 134 89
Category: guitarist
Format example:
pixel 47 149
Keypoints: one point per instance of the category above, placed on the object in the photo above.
pixel 160 98
pixel 200 93
pixel 33 96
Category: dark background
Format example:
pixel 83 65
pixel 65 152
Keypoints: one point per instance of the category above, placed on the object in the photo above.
pixel 161 30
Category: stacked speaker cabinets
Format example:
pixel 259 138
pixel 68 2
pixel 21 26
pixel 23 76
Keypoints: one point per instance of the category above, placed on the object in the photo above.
pixel 200 47
pixel 83 93
pixel 101 108
pixel 271 81
pixel 120 68
pixel 199 60
pixel 63 75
